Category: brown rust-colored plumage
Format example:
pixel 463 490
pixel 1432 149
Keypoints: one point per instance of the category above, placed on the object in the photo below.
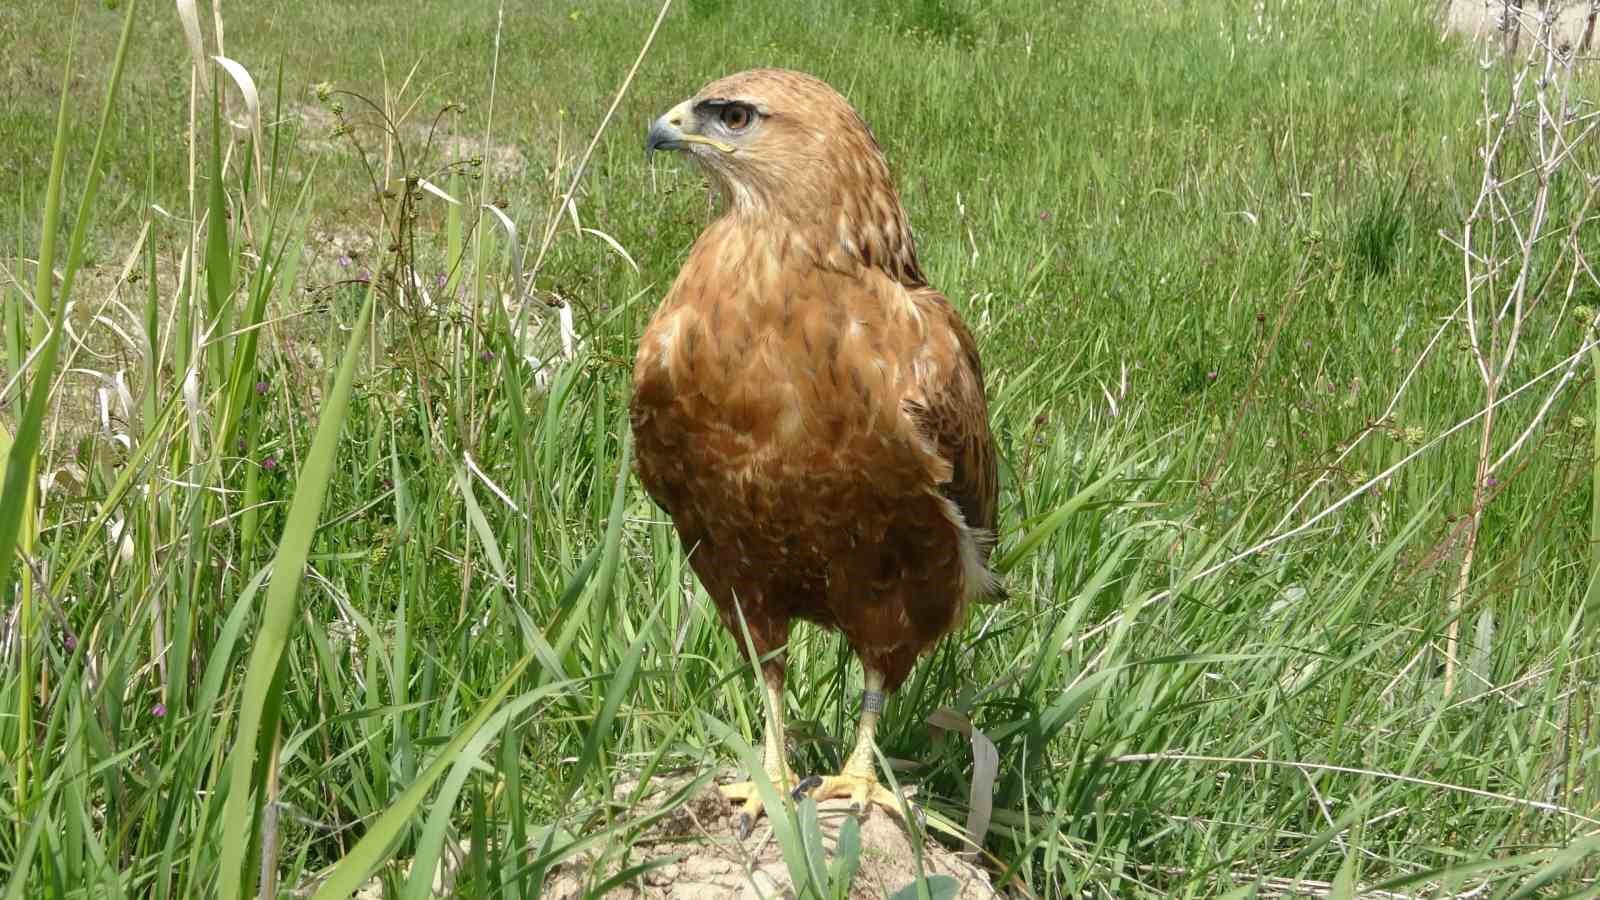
pixel 808 410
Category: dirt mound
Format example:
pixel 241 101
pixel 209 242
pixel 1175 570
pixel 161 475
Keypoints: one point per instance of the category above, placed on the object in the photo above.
pixel 713 862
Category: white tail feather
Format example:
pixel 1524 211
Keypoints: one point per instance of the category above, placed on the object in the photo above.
pixel 976 579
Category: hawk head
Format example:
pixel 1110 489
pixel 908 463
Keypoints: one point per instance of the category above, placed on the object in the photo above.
pixel 788 151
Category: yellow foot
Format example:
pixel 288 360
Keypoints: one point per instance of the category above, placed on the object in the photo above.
pixel 862 791
pixel 747 797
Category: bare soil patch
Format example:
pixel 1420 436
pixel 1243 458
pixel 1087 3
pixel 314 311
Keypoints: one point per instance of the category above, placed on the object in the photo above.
pixel 1515 24
pixel 713 862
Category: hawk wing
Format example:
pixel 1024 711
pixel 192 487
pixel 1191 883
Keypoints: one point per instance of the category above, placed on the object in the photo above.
pixel 947 407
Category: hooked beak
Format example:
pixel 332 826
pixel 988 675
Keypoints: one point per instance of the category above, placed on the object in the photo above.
pixel 667 132
pixel 677 130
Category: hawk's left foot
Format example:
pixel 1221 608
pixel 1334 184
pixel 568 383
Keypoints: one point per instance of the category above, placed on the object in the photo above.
pixel 861 790
pixel 747 797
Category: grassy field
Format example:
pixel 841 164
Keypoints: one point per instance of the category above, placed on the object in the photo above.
pixel 1291 613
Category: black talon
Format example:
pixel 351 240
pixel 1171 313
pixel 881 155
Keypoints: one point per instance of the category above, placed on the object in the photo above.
pixel 806 786
pixel 746 825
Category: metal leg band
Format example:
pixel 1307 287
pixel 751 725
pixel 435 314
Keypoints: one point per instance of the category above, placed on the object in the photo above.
pixel 872 701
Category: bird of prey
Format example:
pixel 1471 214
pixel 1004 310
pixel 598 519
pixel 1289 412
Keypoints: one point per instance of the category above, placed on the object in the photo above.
pixel 808 410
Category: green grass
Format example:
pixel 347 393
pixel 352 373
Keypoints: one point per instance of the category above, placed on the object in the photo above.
pixel 1200 246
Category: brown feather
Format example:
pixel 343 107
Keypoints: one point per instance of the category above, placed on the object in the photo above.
pixel 807 409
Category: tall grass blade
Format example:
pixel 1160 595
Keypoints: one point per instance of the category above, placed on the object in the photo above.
pixel 1592 596
pixel 379 840
pixel 18 497
pixel 464 760
pixel 1053 522
pixel 259 705
pixel 218 255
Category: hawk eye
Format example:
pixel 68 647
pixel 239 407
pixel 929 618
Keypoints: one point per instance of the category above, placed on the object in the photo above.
pixel 735 116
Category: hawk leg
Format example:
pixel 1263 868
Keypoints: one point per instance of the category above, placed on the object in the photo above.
pixel 859 779
pixel 745 793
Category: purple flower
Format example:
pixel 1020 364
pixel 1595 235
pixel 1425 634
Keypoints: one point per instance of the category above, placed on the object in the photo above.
pixel 269 463
pixel 1491 481
pixel 438 281
pixel 366 275
pixel 344 261
pixel 69 642
pixel 241 445
pixel 487 356
pixel 262 387
pixel 1211 376
pixel 1044 217
pixel 159 711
